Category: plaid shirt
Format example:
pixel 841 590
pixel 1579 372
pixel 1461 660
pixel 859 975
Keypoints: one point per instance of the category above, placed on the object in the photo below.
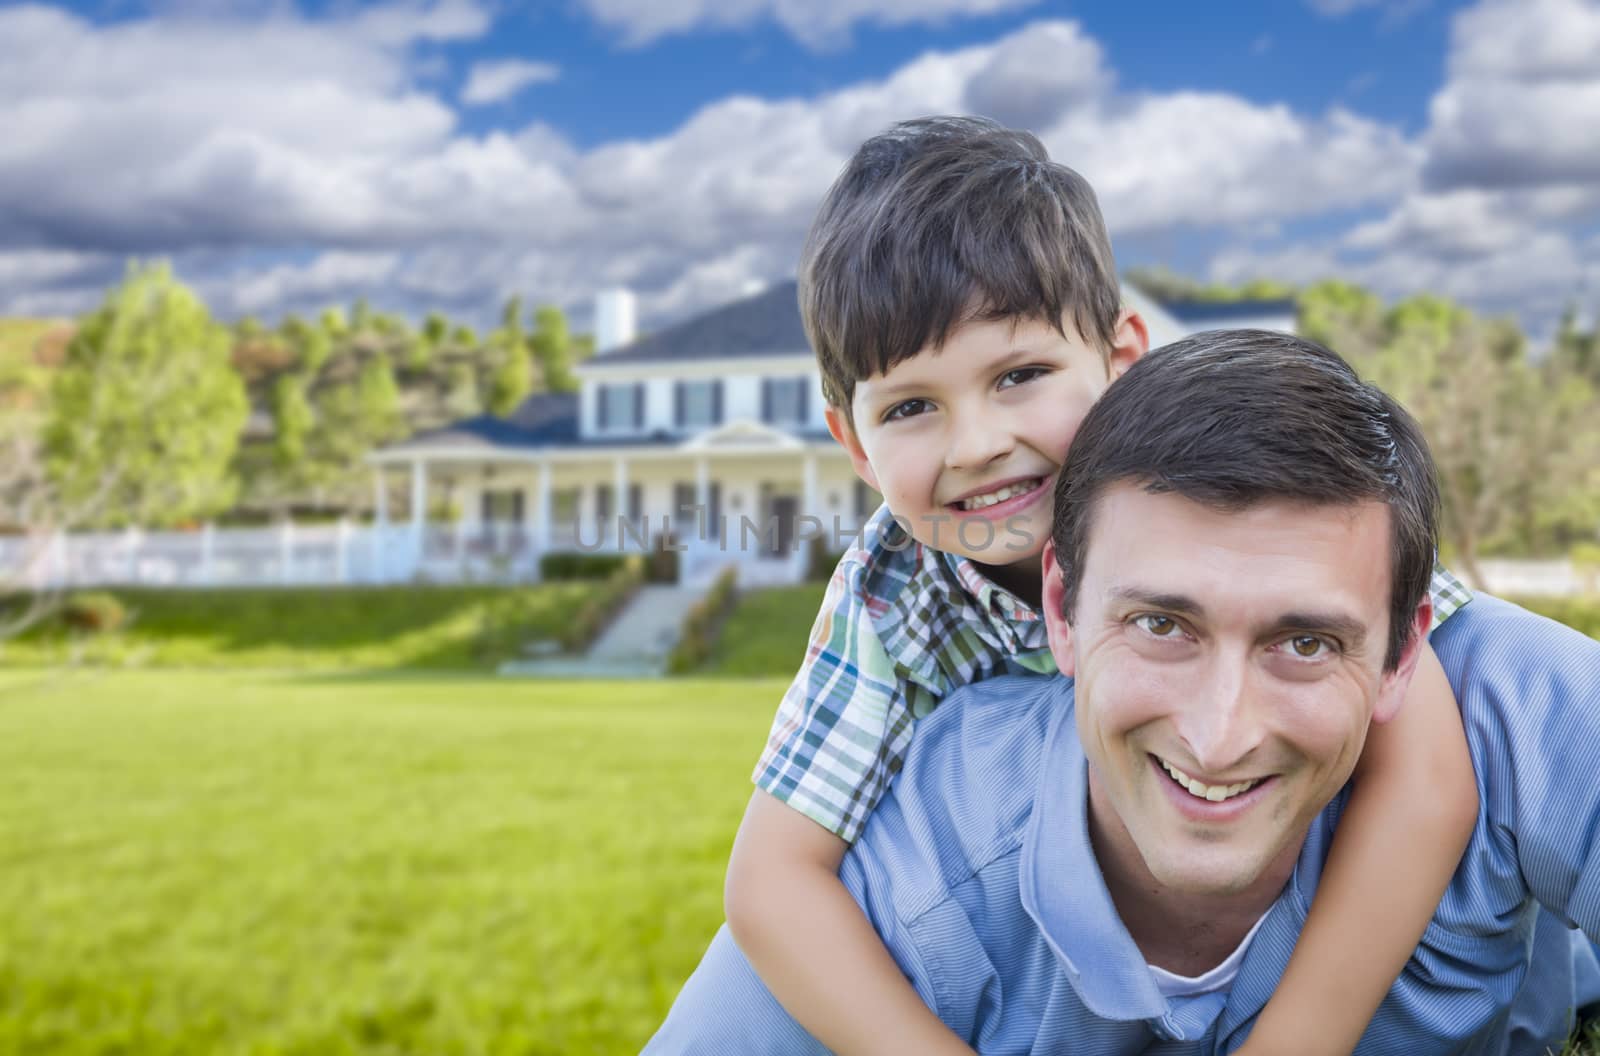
pixel 902 625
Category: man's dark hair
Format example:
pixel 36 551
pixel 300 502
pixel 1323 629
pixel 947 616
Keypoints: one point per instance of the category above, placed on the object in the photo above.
pixel 1232 418
pixel 940 221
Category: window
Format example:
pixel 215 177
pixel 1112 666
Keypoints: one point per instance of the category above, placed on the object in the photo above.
pixel 621 407
pixel 499 507
pixel 697 403
pixel 784 400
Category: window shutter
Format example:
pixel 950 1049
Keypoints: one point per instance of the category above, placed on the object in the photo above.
pixel 716 402
pixel 635 501
pixel 805 400
pixel 677 404
pixel 603 410
pixel 638 405
pixel 766 399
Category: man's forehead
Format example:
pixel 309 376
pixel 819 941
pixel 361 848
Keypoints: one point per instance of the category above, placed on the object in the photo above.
pixel 1164 547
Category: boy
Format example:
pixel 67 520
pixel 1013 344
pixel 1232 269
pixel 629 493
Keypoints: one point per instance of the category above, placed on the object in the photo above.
pixel 960 293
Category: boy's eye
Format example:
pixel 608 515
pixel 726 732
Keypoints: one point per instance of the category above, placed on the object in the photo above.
pixel 906 409
pixel 1019 376
pixel 1156 625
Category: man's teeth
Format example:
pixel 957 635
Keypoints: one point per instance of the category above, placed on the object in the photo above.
pixel 1214 793
pixel 978 502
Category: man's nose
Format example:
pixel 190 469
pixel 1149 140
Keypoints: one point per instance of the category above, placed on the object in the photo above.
pixel 1222 724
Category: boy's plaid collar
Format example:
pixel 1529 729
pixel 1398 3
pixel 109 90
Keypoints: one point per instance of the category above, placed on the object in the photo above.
pixel 935 612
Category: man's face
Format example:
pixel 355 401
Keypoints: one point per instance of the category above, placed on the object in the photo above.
pixel 964 441
pixel 1227 667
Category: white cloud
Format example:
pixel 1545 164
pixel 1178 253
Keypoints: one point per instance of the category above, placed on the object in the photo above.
pixel 1394 10
pixel 815 23
pixel 235 146
pixel 1521 97
pixel 497 81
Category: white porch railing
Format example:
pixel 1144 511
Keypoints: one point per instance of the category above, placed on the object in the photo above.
pixel 291 554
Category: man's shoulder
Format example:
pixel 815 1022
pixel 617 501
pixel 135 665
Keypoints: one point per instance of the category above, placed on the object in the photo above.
pixel 966 791
pixel 1495 645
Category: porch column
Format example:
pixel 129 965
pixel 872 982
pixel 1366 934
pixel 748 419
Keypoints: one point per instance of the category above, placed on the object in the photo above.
pixel 541 511
pixel 619 500
pixel 419 514
pixel 380 498
pixel 808 476
pixel 702 496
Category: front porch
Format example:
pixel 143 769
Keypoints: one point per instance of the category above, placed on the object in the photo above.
pixel 743 495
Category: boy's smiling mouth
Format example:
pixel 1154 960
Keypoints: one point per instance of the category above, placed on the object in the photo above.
pixel 994 496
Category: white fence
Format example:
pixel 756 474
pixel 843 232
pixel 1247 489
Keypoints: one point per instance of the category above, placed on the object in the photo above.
pixel 341 554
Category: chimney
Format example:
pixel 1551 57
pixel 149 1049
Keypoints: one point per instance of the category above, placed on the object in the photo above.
pixel 614 319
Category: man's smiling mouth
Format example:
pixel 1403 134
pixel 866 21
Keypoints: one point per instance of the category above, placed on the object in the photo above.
pixel 1201 790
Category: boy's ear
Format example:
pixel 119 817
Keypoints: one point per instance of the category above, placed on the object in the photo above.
pixel 1057 630
pixel 1129 341
pixel 846 435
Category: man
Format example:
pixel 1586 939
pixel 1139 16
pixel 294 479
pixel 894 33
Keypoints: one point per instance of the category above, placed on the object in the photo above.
pixel 1122 862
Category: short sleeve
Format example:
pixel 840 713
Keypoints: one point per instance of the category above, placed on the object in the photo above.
pixel 845 723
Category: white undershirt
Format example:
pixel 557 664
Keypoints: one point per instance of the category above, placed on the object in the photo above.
pixel 1219 978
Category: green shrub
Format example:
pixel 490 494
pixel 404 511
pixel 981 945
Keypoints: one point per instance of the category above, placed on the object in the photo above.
pixel 94 612
pixel 593 615
pixel 700 626
pixel 820 561
pixel 580 566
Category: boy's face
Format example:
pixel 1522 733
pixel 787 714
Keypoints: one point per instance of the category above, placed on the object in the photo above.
pixel 964 442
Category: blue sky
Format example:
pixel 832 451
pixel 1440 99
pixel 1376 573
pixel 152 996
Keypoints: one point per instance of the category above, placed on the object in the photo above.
pixel 449 153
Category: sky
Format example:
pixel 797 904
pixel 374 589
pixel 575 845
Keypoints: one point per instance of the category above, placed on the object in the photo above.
pixel 448 154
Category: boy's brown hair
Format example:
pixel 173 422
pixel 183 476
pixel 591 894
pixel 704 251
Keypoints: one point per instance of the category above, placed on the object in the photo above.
pixel 940 221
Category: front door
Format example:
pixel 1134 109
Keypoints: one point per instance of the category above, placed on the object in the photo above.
pixel 785 511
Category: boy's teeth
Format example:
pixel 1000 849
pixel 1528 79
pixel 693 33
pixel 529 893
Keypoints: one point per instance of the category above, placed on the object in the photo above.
pixel 1200 790
pixel 978 502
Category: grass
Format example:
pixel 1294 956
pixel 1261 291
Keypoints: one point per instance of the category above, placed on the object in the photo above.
pixel 429 628
pixel 255 863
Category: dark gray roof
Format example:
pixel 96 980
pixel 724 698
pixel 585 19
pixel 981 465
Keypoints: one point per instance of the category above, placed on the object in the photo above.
pixel 767 324
pixel 545 419
pixel 1216 314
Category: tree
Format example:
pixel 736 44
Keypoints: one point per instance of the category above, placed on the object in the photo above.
pixel 552 349
pixel 147 408
pixel 1513 441
pixel 292 421
pixel 512 379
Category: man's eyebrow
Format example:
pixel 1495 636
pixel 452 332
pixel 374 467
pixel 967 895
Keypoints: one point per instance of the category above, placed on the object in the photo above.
pixel 1349 630
pixel 1153 599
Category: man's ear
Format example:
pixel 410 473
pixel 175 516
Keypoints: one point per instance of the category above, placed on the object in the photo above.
pixel 1051 599
pixel 845 433
pixel 1129 341
pixel 1392 691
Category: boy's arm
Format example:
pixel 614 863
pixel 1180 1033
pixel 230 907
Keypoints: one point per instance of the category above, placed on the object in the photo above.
pixel 1410 815
pixel 812 944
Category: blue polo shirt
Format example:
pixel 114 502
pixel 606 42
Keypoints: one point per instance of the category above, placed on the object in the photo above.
pixel 977 871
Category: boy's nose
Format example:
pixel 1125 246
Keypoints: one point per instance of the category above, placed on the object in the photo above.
pixel 977 447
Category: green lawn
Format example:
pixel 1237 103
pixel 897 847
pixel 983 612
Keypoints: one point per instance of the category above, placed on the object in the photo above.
pixel 370 628
pixel 208 862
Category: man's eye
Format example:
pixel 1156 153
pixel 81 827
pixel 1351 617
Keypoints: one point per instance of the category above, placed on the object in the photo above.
pixel 1309 646
pixel 1019 376
pixel 906 409
pixel 1159 626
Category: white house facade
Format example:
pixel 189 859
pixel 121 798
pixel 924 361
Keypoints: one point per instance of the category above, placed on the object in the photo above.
pixel 707 436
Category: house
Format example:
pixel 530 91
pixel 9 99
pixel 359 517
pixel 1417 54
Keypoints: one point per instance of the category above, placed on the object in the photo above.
pixel 707 436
